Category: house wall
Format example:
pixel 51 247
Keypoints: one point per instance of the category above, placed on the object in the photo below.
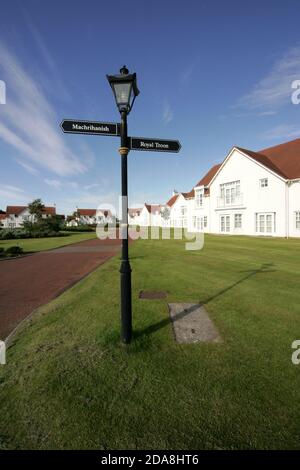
pixel 145 217
pixel 293 204
pixel 177 218
pixel 198 213
pixel 135 220
pixel 156 220
pixel 253 199
pixel 12 221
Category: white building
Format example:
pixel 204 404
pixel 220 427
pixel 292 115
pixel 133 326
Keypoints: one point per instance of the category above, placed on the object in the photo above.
pixel 257 193
pixel 199 215
pixel 151 215
pixel 252 193
pixel 15 216
pixel 249 193
pixel 180 208
pixel 134 216
pixel 90 217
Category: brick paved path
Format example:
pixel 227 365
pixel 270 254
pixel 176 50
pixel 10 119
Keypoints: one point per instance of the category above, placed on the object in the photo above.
pixel 31 281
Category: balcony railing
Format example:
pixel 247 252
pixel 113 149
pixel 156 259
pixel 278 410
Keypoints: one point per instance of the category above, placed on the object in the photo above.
pixel 230 201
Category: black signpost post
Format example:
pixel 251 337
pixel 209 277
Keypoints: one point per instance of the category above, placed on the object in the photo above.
pixel 125 90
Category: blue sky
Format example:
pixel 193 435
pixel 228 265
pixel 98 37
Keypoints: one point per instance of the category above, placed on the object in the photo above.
pixel 212 74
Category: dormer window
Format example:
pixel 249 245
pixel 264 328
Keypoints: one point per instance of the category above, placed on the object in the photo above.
pixel 199 198
pixel 263 183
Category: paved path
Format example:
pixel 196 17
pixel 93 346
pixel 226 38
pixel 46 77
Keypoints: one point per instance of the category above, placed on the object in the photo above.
pixel 31 281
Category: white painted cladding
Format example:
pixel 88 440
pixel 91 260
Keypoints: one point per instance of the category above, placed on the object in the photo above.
pixel 244 197
pixel 254 201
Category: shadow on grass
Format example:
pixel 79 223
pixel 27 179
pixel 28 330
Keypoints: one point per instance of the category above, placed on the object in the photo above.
pixel 265 268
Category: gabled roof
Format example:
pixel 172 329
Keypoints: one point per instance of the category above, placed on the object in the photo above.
pixel 93 212
pixel 283 159
pixel 87 212
pixel 49 210
pixel 152 208
pixel 189 195
pixel 265 161
pixel 15 210
pixel 172 200
pixel 209 176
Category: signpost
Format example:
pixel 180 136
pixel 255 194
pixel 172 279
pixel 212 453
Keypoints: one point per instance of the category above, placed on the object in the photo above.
pixel 154 145
pixel 125 89
pixel 70 126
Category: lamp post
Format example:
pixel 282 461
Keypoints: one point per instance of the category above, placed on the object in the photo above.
pixel 125 90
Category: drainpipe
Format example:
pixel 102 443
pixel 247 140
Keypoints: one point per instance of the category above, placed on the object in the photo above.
pixel 287 209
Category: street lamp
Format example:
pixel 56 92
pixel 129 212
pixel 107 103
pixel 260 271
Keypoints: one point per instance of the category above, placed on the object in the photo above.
pixel 125 90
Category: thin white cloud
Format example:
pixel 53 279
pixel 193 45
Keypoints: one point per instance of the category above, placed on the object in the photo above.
pixel 13 194
pixel 53 79
pixel 282 132
pixel 91 186
pixel 167 113
pixel 29 123
pixel 53 183
pixel 267 113
pixel 29 168
pixel 274 90
pixel 187 73
pixel 58 184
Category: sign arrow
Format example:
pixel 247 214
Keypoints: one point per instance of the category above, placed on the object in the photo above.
pixel 154 145
pixel 71 126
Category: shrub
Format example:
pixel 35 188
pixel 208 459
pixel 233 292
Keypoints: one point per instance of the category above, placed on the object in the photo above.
pixel 14 251
pixel 2 251
pixel 7 234
pixel 11 234
pixel 21 233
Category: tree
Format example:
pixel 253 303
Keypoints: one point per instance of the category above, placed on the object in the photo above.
pixel 36 208
pixel 165 213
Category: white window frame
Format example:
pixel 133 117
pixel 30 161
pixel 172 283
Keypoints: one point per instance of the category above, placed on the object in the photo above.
pixel 199 198
pixel 225 223
pixel 183 211
pixel 230 192
pixel 297 220
pixel 265 223
pixel 264 183
pixel 238 220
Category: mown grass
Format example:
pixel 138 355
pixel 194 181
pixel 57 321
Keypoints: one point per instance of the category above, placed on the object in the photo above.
pixel 69 383
pixel 40 244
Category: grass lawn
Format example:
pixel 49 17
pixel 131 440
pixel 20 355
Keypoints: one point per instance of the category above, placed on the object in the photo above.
pixel 69 383
pixel 40 244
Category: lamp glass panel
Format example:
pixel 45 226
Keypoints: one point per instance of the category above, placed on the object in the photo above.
pixel 123 92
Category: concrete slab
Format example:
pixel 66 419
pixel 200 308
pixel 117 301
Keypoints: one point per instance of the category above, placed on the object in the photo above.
pixel 191 324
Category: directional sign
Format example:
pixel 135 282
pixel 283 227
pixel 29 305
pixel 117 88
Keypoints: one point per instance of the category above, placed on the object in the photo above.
pixel 154 145
pixel 88 127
